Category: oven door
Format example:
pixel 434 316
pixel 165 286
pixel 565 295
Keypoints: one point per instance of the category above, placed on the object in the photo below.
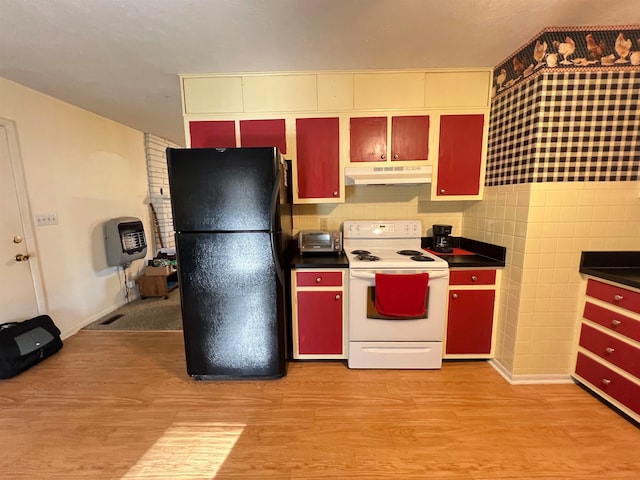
pixel 365 327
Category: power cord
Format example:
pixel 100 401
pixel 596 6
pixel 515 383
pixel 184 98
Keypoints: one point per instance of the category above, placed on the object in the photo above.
pixel 126 281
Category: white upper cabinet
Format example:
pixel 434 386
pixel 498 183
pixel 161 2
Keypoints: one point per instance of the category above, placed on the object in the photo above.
pixel 457 89
pixel 279 93
pixel 335 92
pixel 212 95
pixel 389 90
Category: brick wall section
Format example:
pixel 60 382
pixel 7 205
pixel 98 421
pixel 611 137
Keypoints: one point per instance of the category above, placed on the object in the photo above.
pixel 159 194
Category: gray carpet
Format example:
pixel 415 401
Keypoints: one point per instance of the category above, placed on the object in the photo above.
pixel 155 313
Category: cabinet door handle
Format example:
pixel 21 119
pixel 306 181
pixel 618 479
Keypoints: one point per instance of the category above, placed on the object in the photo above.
pixel 442 190
pixel 383 156
pixel 318 280
pixel 474 278
pixel 606 381
pixel 396 156
pixel 335 194
pixel 609 350
pixel 454 295
pixel 617 298
pixel 338 296
pixel 615 323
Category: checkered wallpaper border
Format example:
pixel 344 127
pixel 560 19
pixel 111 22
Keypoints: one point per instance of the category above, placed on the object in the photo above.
pixel 570 48
pixel 566 126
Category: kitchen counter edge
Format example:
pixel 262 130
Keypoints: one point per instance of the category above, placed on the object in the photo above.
pixel 621 267
pixel 484 254
pixel 319 261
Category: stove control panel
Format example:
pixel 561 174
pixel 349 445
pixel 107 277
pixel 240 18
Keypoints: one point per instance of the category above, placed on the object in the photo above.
pixel 382 229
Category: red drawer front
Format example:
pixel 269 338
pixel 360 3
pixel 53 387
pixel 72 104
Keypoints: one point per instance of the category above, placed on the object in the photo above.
pixel 613 321
pixel 614 351
pixel 616 386
pixel 319 279
pixel 618 296
pixel 472 277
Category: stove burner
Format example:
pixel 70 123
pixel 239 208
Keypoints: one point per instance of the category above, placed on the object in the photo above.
pixel 368 258
pixel 361 252
pixel 422 258
pixel 409 252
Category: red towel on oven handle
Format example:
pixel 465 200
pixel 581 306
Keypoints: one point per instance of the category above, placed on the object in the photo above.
pixel 400 295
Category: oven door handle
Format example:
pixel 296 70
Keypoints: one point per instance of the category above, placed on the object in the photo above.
pixel 371 276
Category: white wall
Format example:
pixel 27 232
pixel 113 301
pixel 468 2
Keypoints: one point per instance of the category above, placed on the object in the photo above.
pixel 86 169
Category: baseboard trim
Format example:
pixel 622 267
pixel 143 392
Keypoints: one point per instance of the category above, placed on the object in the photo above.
pixel 529 379
pixel 93 318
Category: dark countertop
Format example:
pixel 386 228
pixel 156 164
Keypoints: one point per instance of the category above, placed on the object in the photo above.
pixel 319 261
pixel 484 254
pixel 618 267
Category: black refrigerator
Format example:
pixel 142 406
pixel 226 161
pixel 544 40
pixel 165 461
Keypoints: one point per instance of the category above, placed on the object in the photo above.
pixel 232 219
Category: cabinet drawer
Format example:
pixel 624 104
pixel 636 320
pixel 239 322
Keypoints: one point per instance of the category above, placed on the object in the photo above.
pixel 472 277
pixel 618 296
pixel 614 351
pixel 613 321
pixel 319 279
pixel 616 386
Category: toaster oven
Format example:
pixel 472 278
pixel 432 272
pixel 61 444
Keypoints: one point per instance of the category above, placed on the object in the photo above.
pixel 313 241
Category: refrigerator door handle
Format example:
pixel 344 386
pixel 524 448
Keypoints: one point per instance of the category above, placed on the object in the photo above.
pixel 275 199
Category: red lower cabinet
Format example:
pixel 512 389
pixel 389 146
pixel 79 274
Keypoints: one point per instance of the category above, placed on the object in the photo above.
pixel 608 361
pixel 320 323
pixel 318 314
pixel 471 313
pixel 610 383
pixel 470 322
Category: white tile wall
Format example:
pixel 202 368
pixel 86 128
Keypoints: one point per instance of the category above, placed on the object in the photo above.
pixel 382 202
pixel 545 227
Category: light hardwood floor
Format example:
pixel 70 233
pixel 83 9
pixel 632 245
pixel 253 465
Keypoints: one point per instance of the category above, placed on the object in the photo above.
pixel 119 405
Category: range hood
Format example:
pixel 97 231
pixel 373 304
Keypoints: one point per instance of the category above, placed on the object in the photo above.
pixel 387 175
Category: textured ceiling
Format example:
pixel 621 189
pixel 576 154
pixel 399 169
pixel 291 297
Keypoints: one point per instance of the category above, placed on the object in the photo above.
pixel 120 58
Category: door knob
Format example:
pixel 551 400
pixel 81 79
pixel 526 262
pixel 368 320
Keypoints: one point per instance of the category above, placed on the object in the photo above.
pixel 17 239
pixel 22 258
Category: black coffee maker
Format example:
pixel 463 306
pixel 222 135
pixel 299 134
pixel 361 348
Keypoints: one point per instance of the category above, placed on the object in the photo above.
pixel 441 239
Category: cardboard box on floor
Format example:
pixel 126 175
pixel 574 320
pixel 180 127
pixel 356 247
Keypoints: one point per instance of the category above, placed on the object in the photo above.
pixel 161 271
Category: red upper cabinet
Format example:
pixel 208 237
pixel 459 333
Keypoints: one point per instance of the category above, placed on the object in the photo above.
pixel 460 155
pixel 318 159
pixel 263 133
pixel 368 139
pixel 409 139
pixel 212 134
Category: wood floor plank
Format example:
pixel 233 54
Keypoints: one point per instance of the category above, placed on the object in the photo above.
pixel 119 405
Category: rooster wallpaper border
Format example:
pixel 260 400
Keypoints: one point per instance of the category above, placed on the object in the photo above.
pixel 577 49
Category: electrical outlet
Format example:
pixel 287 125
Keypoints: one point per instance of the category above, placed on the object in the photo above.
pixel 46 219
pixel 131 283
pixel 323 223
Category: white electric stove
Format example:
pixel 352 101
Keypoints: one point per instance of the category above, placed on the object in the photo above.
pixel 393 247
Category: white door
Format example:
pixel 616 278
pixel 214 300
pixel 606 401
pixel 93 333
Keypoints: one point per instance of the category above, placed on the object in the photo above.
pixel 19 298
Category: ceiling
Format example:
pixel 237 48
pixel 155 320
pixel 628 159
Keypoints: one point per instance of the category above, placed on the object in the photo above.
pixel 121 59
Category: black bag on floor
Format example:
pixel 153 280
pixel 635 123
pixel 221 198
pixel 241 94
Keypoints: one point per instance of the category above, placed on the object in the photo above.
pixel 23 344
